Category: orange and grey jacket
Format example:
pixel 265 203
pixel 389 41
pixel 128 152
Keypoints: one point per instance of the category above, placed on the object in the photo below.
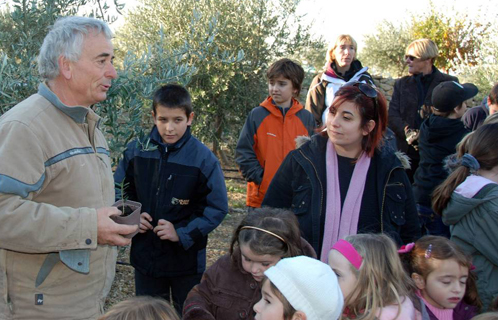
pixel 265 140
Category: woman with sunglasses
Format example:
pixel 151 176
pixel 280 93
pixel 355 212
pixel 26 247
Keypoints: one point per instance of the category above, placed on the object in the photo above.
pixel 341 67
pixel 346 180
pixel 411 99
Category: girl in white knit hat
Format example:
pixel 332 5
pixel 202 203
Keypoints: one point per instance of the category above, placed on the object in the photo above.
pixel 232 285
pixel 299 288
pixel 372 279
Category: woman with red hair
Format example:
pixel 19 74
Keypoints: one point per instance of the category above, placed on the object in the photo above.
pixel 346 180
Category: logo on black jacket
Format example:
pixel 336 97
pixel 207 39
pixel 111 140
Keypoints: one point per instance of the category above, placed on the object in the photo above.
pixel 175 201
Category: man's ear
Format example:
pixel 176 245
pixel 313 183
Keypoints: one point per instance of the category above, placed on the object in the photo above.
pixel 65 67
pixel 419 281
pixel 299 315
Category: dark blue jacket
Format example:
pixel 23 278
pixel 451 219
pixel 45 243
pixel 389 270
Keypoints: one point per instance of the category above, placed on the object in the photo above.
pixel 183 184
pixel 438 139
pixel 300 184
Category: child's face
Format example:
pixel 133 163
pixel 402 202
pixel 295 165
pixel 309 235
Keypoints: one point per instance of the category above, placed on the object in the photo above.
pixel 345 275
pixel 256 264
pixel 171 123
pixel 445 285
pixel 269 307
pixel 281 91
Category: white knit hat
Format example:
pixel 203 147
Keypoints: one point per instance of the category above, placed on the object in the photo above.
pixel 309 285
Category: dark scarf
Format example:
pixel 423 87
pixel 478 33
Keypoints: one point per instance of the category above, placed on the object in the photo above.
pixel 353 69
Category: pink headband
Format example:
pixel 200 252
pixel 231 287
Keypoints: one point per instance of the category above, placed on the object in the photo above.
pixel 349 252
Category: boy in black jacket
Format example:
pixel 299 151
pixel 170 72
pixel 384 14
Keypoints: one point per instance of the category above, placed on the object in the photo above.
pixel 439 135
pixel 181 187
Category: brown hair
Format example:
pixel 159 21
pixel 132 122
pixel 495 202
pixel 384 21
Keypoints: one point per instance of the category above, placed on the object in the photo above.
pixel 289 310
pixel 282 223
pixel 420 261
pixel 343 38
pixel 368 111
pixel 493 95
pixel 483 145
pixel 172 96
pixel 486 316
pixel 381 279
pixel 290 70
pixel 142 307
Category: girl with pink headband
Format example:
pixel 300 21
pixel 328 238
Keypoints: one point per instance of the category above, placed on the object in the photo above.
pixel 372 279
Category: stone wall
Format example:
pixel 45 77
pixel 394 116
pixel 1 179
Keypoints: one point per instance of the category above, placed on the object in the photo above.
pixel 386 86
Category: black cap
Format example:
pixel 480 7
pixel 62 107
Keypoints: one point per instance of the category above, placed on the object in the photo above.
pixel 450 94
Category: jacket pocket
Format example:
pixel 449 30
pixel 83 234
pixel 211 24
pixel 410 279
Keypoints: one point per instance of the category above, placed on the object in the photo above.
pixel 222 303
pixel 395 203
pixel 301 199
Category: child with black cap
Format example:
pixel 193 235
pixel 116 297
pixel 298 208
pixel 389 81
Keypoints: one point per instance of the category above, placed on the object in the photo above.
pixel 439 135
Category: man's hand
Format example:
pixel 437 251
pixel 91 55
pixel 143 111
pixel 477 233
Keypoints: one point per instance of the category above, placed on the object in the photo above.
pixel 110 232
pixel 145 220
pixel 166 231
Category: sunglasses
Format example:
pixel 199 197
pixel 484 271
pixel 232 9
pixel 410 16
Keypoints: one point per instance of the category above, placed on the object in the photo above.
pixel 410 57
pixel 368 91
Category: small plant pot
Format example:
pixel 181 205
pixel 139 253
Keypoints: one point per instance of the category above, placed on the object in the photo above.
pixel 131 215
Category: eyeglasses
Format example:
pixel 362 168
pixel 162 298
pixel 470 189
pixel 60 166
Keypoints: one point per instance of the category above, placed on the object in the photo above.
pixel 410 57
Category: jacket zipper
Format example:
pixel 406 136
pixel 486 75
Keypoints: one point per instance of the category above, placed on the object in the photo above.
pixel 318 178
pixel 384 199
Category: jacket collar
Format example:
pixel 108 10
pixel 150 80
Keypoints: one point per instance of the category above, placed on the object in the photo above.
pixel 77 113
pixel 270 105
pixel 155 137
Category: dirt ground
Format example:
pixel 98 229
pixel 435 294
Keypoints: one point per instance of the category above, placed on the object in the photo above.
pixel 218 243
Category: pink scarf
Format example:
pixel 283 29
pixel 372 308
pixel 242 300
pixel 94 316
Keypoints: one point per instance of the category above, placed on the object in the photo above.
pixel 338 225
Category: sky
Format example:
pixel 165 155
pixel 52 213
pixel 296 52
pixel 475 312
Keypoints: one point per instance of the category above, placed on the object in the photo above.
pixel 358 18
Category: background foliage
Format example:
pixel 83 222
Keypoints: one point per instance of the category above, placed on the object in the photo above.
pixel 456 34
pixel 246 36
pixel 219 49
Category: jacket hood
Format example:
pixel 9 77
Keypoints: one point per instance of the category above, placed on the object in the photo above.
pixel 440 127
pixel 269 105
pixel 459 206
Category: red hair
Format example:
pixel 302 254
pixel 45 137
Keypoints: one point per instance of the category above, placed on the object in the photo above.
pixel 366 108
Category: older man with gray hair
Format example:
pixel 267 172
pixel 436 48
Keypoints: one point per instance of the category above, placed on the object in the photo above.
pixel 57 241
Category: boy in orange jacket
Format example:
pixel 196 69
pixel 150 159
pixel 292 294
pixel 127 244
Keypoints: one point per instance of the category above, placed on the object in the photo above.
pixel 271 128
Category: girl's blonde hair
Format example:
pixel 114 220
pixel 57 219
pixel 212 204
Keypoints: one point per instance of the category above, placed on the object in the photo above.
pixel 382 281
pixel 346 38
pixel 142 307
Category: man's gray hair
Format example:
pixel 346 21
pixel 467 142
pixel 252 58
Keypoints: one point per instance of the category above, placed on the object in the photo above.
pixel 66 39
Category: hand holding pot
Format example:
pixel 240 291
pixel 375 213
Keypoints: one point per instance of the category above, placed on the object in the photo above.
pixel 145 220
pixel 166 231
pixel 108 231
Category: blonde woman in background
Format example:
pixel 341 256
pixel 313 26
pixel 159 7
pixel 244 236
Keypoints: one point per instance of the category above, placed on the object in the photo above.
pixel 341 67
